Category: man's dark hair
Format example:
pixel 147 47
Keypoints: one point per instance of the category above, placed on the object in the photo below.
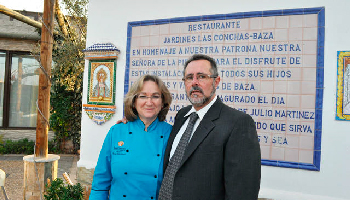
pixel 213 69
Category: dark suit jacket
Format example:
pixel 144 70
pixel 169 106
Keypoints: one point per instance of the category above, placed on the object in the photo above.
pixel 222 160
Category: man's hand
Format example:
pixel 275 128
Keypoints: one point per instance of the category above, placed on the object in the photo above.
pixel 124 121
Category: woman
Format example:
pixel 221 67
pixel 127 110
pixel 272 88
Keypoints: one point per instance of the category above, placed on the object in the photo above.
pixel 130 163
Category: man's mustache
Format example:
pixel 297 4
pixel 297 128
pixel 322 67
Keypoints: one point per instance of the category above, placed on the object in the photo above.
pixel 196 88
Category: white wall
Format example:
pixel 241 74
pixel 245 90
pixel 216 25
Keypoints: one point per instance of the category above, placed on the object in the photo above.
pixel 108 23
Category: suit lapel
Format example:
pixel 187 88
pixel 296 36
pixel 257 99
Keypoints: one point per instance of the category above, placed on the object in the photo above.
pixel 203 129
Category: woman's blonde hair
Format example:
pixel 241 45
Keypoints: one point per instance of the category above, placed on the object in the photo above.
pixel 130 111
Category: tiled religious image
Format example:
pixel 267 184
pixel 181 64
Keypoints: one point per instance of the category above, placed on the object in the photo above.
pixel 343 86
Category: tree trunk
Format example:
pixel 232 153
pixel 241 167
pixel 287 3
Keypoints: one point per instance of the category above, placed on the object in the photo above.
pixel 61 20
pixel 42 124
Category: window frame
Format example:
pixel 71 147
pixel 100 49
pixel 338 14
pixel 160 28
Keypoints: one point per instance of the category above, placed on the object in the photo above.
pixel 7 90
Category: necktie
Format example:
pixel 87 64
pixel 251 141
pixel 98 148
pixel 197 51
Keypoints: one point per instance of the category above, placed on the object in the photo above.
pixel 166 189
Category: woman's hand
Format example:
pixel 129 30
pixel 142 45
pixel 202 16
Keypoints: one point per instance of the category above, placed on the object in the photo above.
pixel 124 121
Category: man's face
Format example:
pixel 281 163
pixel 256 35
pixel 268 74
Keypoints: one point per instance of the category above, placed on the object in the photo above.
pixel 200 92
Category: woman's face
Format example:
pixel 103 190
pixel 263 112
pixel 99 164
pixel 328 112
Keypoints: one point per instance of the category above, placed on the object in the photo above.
pixel 149 102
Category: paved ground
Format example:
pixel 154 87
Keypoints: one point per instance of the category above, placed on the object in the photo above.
pixel 13 166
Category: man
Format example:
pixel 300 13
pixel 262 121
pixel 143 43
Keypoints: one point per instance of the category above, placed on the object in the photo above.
pixel 222 158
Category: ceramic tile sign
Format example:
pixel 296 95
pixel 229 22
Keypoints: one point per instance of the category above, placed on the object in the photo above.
pixel 100 105
pixel 270 64
pixel 343 86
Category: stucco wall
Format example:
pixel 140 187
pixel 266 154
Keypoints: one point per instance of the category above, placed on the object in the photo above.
pixel 108 23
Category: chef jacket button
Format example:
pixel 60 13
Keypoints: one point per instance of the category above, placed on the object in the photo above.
pixel 155 176
pixel 158 155
pixel 124 195
pixel 130 132
pixel 151 197
pixel 127 150
pixel 161 136
pixel 125 173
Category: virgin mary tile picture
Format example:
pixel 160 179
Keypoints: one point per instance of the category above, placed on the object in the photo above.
pixel 343 86
pixel 101 83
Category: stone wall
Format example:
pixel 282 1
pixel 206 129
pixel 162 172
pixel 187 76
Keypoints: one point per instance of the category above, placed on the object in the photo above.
pixel 84 177
pixel 16 35
pixel 10 25
pixel 21 134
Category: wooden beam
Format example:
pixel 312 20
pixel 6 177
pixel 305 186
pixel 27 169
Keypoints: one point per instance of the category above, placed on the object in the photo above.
pixel 22 18
pixel 19 79
pixel 42 126
pixel 60 19
pixel 19 16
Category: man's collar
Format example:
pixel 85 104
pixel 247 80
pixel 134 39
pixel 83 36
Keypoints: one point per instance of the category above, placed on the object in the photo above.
pixel 203 110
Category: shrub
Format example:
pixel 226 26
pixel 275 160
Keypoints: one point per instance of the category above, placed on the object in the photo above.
pixel 59 191
pixel 24 146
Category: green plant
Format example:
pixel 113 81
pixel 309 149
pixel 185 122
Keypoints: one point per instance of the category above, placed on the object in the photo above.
pixel 59 191
pixel 53 148
pixel 67 75
pixel 1 144
pixel 23 146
